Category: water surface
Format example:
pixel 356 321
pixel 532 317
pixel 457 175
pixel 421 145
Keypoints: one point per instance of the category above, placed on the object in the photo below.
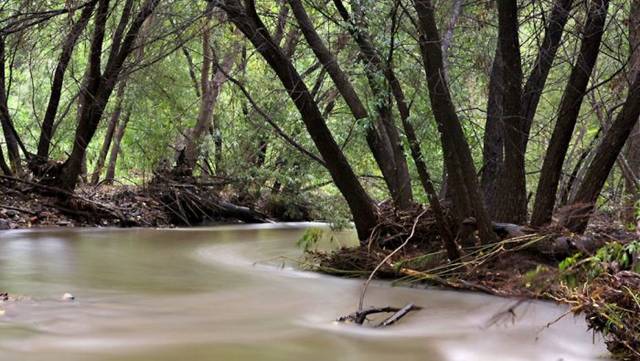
pixel 227 293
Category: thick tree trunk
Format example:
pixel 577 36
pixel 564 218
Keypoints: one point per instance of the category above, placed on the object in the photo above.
pixel 361 206
pixel 108 137
pixel 115 149
pixel 46 132
pixel 511 201
pixel 458 156
pixel 493 143
pixel 605 157
pixel 568 113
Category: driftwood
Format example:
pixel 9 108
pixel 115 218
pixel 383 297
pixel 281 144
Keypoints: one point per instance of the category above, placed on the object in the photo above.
pixel 359 317
pixel 398 315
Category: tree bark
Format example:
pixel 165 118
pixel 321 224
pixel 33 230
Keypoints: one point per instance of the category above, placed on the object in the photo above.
pixel 393 159
pixel 632 151
pixel 212 78
pixel 4 167
pixel 111 128
pixel 493 142
pixel 568 113
pixel 457 154
pixel 115 150
pixel 542 65
pixel 394 170
pixel 100 86
pixel 8 130
pixel 361 206
pixel 511 201
pixel 605 157
pixel 46 132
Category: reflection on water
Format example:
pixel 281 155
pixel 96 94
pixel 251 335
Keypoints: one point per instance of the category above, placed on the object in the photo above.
pixel 226 294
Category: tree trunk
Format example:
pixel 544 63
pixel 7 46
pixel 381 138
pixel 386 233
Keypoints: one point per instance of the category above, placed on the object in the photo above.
pixel 115 150
pixel 361 206
pixel 605 157
pixel 460 166
pixel 8 130
pixel 4 167
pixel 493 143
pixel 544 60
pixel 394 169
pixel 100 86
pixel 392 159
pixel 111 128
pixel 568 113
pixel 632 151
pixel 46 132
pixel 511 200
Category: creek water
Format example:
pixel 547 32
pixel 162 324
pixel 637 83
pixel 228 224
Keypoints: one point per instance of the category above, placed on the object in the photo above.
pixel 229 293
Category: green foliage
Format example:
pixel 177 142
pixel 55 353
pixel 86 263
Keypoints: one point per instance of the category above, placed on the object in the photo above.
pixel 310 238
pixel 613 255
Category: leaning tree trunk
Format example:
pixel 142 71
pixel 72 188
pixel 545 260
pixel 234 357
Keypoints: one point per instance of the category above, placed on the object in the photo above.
pixel 568 113
pixel 397 173
pixel 460 166
pixel 10 136
pixel 379 138
pixel 361 206
pixel 632 151
pixel 100 85
pixel 532 92
pixel 46 132
pixel 605 158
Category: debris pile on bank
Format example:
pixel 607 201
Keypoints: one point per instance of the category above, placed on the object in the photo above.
pixel 595 273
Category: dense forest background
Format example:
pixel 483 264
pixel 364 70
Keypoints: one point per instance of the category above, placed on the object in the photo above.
pixel 307 103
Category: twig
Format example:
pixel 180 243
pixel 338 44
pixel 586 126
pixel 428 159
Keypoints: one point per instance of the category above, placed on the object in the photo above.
pixel 18 209
pixel 406 241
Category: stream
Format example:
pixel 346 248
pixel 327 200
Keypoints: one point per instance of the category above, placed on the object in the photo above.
pixel 232 293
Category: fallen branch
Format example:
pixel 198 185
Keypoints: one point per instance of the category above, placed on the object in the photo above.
pixel 398 315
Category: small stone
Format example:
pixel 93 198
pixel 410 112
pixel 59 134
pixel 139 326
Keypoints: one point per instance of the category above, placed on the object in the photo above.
pixel 68 297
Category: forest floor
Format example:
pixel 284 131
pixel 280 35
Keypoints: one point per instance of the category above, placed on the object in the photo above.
pixel 26 204
pixel 596 274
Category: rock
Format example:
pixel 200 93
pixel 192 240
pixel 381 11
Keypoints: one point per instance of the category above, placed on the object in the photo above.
pixel 4 224
pixel 68 297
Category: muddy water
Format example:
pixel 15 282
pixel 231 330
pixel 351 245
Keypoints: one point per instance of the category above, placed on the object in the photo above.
pixel 227 294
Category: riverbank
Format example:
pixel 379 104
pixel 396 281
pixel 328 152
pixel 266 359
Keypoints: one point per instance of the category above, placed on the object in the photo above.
pixel 595 274
pixel 25 204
